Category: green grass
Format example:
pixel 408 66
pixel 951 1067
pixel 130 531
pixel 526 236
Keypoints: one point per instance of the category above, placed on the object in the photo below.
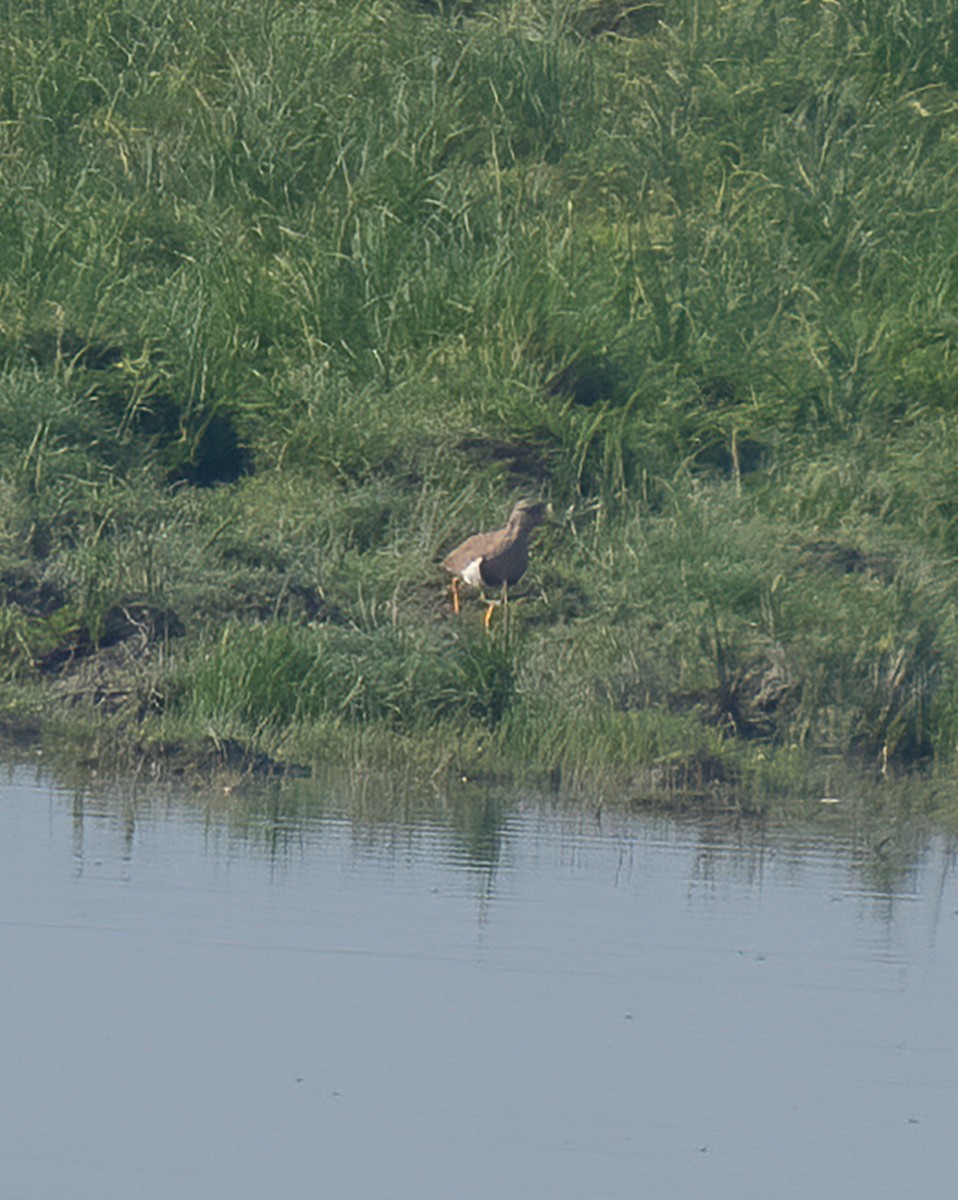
pixel 295 296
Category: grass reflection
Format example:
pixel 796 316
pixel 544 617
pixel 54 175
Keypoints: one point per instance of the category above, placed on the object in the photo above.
pixel 883 828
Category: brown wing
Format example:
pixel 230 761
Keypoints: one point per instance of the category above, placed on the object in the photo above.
pixel 472 548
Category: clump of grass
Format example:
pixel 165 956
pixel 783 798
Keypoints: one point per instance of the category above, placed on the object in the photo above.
pixel 16 652
pixel 260 679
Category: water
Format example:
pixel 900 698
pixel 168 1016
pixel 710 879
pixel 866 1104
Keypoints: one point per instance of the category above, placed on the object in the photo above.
pixel 304 995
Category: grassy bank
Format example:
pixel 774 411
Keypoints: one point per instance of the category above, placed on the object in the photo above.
pixel 294 296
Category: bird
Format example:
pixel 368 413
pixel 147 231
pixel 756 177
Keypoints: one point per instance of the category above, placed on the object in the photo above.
pixel 498 559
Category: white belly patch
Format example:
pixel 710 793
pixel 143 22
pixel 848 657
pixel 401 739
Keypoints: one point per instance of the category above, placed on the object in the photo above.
pixel 471 575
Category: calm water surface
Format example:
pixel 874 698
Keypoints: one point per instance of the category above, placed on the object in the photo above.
pixel 295 995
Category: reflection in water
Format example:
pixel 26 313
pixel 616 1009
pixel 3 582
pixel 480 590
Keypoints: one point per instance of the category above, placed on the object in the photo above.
pixel 883 835
pixel 390 819
pixel 358 987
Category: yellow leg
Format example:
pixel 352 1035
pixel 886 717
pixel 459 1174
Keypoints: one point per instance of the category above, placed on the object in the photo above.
pixel 455 596
pixel 491 605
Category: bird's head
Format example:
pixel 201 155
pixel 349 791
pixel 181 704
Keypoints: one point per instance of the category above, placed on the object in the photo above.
pixel 527 514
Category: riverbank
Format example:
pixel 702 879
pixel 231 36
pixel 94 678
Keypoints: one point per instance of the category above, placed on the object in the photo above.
pixel 297 297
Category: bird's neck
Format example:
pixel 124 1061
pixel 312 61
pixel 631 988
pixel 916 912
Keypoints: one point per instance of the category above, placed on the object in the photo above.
pixel 517 532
